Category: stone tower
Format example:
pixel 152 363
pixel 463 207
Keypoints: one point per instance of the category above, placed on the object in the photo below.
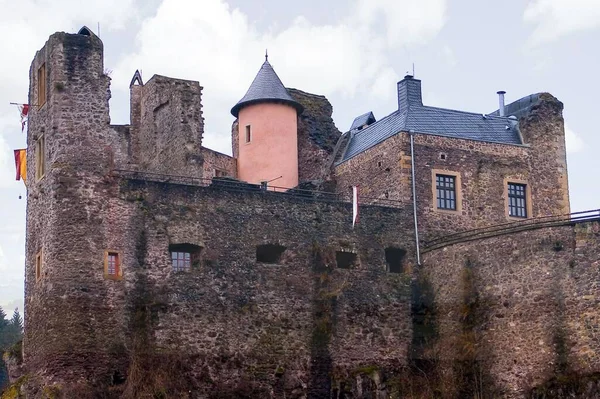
pixel 69 145
pixel 268 131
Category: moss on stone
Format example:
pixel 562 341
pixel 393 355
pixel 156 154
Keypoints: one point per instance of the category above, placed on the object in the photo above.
pixel 13 391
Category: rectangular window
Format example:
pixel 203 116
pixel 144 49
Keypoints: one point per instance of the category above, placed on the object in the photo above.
pixel 445 187
pixel 40 157
pixel 517 200
pixel 248 133
pixel 41 85
pixel 181 261
pixel 112 265
pixel 38 266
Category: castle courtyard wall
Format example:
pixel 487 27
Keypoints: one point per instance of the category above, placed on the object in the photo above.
pixel 523 308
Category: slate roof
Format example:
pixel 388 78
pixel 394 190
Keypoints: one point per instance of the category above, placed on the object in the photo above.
pixel 437 121
pixel 266 87
pixel 361 120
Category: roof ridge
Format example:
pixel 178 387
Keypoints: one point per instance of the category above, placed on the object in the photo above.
pixel 465 112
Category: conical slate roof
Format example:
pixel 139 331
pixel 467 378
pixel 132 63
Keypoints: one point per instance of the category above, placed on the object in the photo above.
pixel 266 87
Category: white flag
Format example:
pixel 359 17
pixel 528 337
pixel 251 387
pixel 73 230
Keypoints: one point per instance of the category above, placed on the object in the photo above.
pixel 354 205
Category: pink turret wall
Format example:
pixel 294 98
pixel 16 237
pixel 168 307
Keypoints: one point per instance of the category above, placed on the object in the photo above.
pixel 273 149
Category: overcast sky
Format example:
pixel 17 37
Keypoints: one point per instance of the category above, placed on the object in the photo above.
pixel 352 51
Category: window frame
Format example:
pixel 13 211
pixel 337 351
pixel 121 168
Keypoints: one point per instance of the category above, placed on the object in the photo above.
pixel 118 275
pixel 42 85
pixel 187 263
pixel 39 259
pixel 526 198
pixel 457 191
pixel 40 157
pixel 248 134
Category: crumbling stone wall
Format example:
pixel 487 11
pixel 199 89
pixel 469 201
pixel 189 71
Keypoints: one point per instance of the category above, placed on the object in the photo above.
pixel 69 303
pixel 537 317
pixel 317 135
pixel 272 348
pixel 171 127
pixel 216 164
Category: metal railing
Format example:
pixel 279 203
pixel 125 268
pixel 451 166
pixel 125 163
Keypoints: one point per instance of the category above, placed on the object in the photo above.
pixel 231 184
pixel 512 227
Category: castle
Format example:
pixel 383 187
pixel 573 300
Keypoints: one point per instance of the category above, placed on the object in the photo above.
pixel 156 267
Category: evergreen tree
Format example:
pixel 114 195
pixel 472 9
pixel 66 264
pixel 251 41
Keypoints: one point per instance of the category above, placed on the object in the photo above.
pixel 3 321
pixel 17 323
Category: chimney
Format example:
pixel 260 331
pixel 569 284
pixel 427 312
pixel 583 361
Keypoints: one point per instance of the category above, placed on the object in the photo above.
pixel 501 109
pixel 409 93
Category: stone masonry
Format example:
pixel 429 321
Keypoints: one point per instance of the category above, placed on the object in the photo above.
pixel 283 296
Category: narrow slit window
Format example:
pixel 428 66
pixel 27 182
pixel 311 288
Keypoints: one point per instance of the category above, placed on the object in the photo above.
pixel 517 200
pixel 41 83
pixel 248 133
pixel 38 266
pixel 40 157
pixel 445 186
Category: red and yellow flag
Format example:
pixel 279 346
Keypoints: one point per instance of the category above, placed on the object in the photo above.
pixel 21 164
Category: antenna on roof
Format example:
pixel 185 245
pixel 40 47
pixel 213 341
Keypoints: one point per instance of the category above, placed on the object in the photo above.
pixel 266 55
pixel 413 69
pixel 98 28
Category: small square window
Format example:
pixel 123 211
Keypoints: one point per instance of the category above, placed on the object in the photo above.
pixel 517 200
pixel 41 85
pixel 38 266
pixel 181 261
pixel 184 257
pixel 346 260
pixel 445 186
pixel 248 134
pixel 112 265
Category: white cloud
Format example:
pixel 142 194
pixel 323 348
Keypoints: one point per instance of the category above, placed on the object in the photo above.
pixel 221 48
pixel 449 56
pixel 556 18
pixel 574 142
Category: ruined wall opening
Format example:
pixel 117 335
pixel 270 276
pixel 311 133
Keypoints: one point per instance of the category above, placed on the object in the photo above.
pixel 269 253
pixel 346 260
pixel 394 257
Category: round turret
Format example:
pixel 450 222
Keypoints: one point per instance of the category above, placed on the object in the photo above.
pixel 268 132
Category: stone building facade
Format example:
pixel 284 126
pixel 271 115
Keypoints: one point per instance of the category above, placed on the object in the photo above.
pixel 152 270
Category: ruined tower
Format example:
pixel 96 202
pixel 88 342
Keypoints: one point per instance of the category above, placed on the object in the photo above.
pixel 68 299
pixel 268 131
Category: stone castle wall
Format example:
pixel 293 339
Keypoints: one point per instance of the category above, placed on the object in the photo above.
pixel 231 323
pixel 216 164
pixel 171 127
pixel 522 307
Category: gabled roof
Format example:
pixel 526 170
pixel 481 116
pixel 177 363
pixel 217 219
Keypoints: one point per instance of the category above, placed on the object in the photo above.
pixel 361 120
pixel 436 121
pixel 266 87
